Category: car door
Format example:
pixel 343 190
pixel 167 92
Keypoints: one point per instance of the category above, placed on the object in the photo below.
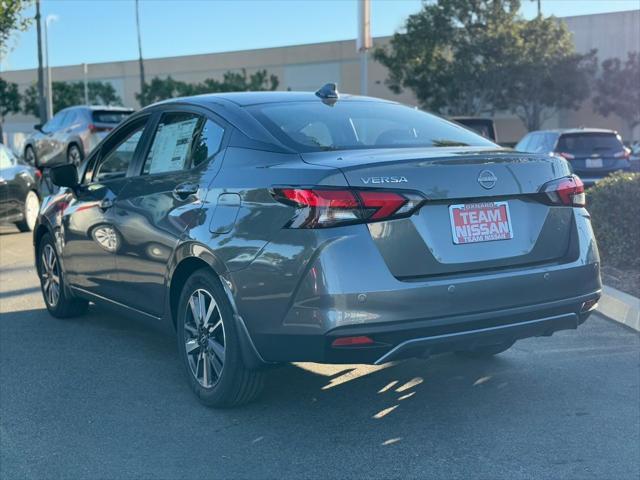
pixel 156 207
pixel 59 138
pixel 45 143
pixel 90 237
pixel 8 200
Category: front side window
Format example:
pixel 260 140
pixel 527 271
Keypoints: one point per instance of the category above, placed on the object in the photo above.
pixel 55 123
pixel 523 144
pixel 172 143
pixel 115 161
pixel 316 126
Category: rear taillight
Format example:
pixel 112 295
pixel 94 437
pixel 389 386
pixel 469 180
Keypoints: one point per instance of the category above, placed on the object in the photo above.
pixel 330 207
pixel 565 191
pixel 94 129
pixel 565 155
pixel 626 154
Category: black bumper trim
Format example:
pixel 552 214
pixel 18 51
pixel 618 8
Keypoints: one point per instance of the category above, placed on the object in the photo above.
pixel 499 334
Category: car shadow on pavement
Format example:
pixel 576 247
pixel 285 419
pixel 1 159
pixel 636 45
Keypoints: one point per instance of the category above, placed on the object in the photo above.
pixel 139 366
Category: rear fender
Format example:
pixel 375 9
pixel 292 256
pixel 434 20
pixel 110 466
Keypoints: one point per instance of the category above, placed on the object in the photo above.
pixel 193 250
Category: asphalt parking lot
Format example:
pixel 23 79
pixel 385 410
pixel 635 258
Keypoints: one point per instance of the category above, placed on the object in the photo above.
pixel 104 397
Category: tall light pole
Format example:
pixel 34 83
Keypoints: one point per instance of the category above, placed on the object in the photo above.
pixel 47 21
pixel 142 101
pixel 42 110
pixel 85 72
pixel 363 42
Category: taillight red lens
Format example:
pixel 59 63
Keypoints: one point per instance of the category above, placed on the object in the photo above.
pixel 330 207
pixel 320 198
pixel 566 191
pixel 566 155
pixel 93 129
pixel 384 204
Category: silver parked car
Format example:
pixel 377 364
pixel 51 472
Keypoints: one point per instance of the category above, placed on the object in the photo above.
pixel 71 134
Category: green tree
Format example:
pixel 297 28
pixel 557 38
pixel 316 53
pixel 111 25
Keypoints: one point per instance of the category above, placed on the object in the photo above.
pixel 9 98
pixel 453 54
pixel 468 57
pixel 12 18
pixel 161 89
pixel 548 75
pixel 618 89
pixel 67 94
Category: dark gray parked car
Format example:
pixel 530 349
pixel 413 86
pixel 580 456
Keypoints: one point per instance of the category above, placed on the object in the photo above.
pixel 19 198
pixel 279 226
pixel 593 153
pixel 71 134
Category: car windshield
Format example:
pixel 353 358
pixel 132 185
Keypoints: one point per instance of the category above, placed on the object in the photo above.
pixel 589 143
pixel 107 116
pixel 317 126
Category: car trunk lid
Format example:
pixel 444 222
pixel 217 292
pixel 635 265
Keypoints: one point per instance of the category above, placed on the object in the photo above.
pixel 479 179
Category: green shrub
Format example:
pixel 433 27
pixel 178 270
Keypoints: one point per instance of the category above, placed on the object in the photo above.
pixel 614 204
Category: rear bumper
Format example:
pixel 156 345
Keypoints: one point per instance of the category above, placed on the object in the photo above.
pixel 296 298
pixel 425 337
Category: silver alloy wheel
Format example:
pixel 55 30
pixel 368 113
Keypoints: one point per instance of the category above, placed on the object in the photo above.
pixel 74 155
pixel 50 274
pixel 31 209
pixel 204 338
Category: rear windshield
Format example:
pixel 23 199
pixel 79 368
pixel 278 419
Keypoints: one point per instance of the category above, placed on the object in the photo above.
pixel 589 143
pixel 316 126
pixel 106 116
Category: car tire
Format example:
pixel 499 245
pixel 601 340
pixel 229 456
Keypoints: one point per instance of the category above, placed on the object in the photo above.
pixel 56 299
pixel 209 345
pixel 29 212
pixel 74 155
pixel 30 156
pixel 486 351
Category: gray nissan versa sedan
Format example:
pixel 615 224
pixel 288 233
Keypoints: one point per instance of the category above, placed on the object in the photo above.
pixel 274 227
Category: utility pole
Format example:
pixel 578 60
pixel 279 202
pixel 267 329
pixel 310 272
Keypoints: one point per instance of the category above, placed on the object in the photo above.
pixel 85 71
pixel 49 82
pixel 363 42
pixel 41 103
pixel 539 7
pixel 142 82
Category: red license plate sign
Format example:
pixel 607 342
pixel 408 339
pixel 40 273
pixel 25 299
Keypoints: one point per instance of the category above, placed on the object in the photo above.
pixel 480 222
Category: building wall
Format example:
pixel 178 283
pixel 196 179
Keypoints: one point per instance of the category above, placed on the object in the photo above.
pixel 307 67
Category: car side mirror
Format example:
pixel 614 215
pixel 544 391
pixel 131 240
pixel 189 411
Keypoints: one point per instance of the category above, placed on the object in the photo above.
pixel 38 127
pixel 64 176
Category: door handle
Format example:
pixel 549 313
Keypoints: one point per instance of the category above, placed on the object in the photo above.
pixel 106 204
pixel 185 190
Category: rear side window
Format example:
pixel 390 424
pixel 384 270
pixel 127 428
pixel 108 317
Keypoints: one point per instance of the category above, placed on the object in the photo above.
pixel 106 116
pixel 316 126
pixel 585 144
pixel 208 143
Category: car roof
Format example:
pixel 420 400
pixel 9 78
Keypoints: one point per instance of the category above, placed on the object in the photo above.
pixel 112 108
pixel 562 131
pixel 244 99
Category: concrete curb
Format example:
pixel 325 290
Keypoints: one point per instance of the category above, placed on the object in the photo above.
pixel 620 307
